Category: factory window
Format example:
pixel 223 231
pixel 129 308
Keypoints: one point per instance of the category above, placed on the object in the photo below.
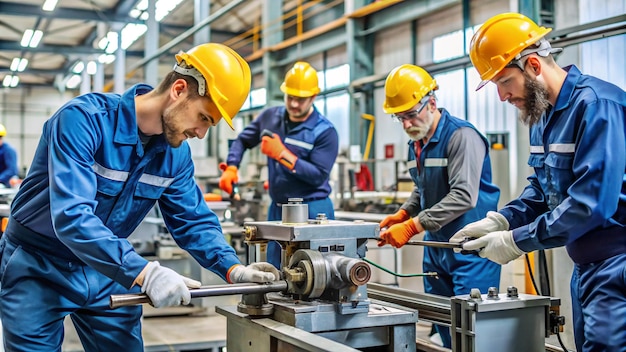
pixel 449 46
pixel 335 77
pixel 336 108
pixel 256 99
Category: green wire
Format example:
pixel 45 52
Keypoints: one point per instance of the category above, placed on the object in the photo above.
pixel 396 274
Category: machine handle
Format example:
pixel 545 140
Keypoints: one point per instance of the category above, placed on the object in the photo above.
pixel 131 299
pixel 268 133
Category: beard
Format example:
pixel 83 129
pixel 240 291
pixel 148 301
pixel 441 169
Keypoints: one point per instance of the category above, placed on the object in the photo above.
pixel 417 132
pixel 421 131
pixel 299 113
pixel 170 127
pixel 536 103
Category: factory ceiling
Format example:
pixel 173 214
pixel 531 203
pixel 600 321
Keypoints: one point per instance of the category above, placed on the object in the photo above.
pixel 75 29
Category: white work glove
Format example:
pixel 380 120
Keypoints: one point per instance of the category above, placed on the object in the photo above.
pixel 492 223
pixel 256 272
pixel 165 287
pixel 496 246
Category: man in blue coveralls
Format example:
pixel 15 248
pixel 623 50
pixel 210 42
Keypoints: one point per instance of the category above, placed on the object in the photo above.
pixel 103 161
pixel 450 166
pixel 577 194
pixel 301 150
pixel 8 160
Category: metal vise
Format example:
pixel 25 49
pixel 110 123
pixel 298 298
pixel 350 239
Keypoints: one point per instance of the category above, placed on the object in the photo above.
pixel 321 258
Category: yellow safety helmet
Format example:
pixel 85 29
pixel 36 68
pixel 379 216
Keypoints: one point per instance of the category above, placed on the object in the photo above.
pixel 225 76
pixel 406 85
pixel 500 40
pixel 301 81
pixel 3 131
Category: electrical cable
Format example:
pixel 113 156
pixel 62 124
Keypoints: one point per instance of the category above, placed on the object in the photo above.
pixel 397 274
pixel 530 272
pixel 532 279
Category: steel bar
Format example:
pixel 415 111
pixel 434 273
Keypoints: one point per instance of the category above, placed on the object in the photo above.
pixel 205 291
pixel 435 244
pixel 432 308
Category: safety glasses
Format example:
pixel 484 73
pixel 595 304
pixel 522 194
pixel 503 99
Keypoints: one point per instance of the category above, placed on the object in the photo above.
pixel 411 114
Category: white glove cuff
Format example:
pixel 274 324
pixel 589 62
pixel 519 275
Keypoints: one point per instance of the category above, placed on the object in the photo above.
pixel 236 274
pixel 499 220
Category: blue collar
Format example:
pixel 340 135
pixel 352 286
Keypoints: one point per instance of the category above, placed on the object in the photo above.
pixel 126 129
pixel 565 95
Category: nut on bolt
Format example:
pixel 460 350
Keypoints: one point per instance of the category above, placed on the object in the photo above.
pixel 249 232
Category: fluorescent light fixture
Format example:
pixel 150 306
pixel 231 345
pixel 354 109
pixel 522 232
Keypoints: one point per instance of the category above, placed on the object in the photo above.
pixel 36 39
pixel 31 38
pixel 10 81
pixel 112 45
pixel 106 59
pixel 102 43
pixel 28 35
pixel 73 82
pixel 19 64
pixel 131 32
pixel 92 68
pixel 49 5
pixel 78 67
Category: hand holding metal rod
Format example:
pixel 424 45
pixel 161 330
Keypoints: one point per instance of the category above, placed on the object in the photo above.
pixel 438 244
pixel 132 299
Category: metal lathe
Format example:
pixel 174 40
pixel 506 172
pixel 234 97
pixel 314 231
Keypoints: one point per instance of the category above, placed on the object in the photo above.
pixel 324 301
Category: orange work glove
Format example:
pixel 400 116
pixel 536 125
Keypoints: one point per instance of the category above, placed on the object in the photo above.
pixel 400 216
pixel 275 149
pixel 399 234
pixel 229 177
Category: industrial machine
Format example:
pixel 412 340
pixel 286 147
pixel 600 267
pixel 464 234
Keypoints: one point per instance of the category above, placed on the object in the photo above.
pixel 324 302
pixel 326 291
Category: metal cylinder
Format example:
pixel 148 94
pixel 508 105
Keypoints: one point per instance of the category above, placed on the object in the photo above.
pixel 345 271
pixel 295 212
pixel 132 299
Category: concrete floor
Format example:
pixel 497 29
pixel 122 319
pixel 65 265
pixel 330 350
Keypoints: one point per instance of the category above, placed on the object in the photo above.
pixel 172 330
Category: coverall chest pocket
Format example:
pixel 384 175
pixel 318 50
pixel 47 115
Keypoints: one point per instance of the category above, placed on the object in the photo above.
pixel 108 188
pixel 559 175
pixel 108 192
pixel 148 191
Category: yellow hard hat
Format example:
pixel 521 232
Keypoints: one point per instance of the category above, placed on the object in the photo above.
pixel 500 40
pixel 406 85
pixel 301 81
pixel 3 131
pixel 226 74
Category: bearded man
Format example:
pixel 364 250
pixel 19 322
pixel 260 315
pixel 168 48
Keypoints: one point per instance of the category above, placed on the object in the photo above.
pixel 576 196
pixel 450 166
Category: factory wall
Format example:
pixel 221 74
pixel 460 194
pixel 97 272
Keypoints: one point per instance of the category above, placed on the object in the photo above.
pixel 23 112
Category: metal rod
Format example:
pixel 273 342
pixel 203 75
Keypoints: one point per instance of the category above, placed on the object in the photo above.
pixel 132 299
pixel 435 244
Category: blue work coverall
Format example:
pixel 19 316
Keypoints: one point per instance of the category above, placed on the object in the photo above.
pixel 315 142
pixel 8 164
pixel 443 204
pixel 65 249
pixel 577 198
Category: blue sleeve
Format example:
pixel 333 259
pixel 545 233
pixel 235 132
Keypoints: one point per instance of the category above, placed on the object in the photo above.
pixel 10 161
pixel 249 138
pixel 194 226
pixel 73 139
pixel 528 206
pixel 593 196
pixel 315 170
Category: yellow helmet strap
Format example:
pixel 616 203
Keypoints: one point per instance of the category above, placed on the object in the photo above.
pixel 191 71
